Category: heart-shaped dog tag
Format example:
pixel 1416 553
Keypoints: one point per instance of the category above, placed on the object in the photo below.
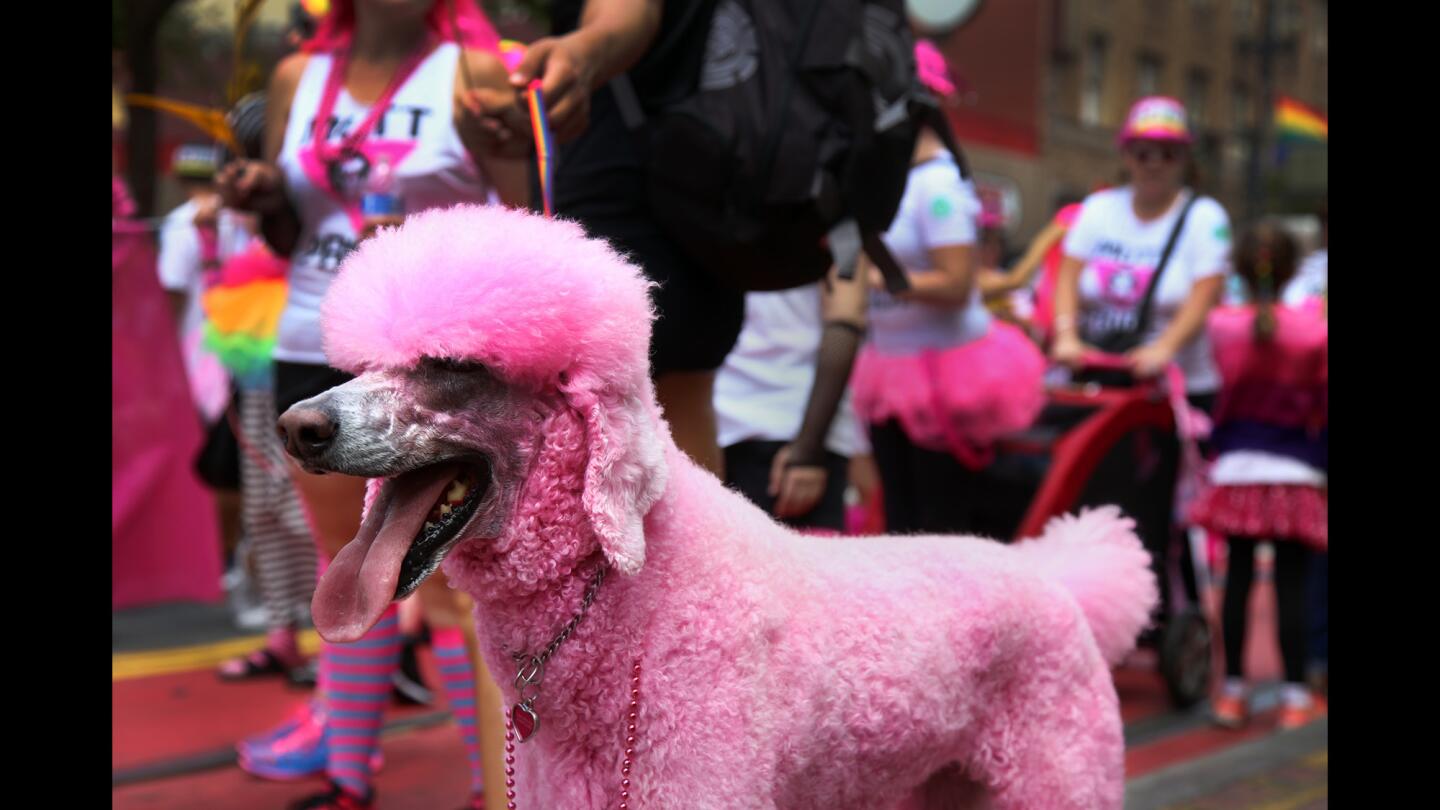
pixel 525 720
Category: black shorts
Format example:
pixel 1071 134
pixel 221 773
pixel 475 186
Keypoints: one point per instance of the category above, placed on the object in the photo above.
pixel 218 462
pixel 600 181
pixel 297 382
pixel 747 469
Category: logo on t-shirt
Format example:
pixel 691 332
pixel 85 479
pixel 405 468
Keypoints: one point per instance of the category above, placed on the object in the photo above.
pixel 1121 286
pixel 941 207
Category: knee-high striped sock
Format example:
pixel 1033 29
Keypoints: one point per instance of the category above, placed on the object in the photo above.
pixel 327 650
pixel 358 689
pixel 458 676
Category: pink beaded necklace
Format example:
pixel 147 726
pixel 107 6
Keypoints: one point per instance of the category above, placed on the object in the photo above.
pixel 522 721
pixel 630 736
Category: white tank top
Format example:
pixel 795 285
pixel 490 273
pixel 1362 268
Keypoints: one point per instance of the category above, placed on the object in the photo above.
pixel 416 135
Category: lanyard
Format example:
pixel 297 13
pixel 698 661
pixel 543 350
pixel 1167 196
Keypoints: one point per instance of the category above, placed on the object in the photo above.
pixel 349 145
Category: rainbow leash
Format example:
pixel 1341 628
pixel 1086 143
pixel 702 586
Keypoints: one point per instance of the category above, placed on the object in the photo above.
pixel 544 144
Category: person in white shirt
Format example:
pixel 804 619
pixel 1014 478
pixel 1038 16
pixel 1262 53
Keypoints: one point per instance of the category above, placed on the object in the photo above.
pixel 1312 280
pixel 194 238
pixel 787 445
pixel 1112 253
pixel 940 379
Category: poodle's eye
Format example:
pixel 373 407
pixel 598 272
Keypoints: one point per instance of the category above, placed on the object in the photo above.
pixel 452 365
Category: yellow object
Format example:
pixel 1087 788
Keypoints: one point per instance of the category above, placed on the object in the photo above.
pixel 210 121
pixel 124 666
pixel 118 119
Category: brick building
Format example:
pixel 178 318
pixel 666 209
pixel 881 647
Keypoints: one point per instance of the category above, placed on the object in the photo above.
pixel 1047 83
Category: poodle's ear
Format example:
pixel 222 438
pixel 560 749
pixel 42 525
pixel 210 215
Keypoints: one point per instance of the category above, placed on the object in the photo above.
pixel 625 473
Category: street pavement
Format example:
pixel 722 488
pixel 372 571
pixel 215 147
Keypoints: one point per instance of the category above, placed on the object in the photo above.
pixel 174 725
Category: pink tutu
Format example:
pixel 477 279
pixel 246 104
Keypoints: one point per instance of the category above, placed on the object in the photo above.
pixel 956 400
pixel 1266 512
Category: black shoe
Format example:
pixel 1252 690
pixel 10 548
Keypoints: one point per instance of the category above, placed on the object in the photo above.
pixel 305 676
pixel 410 688
pixel 336 798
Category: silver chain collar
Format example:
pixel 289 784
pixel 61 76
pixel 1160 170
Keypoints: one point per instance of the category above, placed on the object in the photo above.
pixel 531 669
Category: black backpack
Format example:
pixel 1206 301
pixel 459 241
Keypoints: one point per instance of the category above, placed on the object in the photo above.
pixel 793 150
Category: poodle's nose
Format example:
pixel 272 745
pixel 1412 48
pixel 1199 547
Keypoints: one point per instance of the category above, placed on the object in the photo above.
pixel 306 432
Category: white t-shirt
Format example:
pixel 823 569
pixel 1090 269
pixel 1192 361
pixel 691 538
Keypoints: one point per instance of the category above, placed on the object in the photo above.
pixel 1120 253
pixel 938 209
pixel 1312 280
pixel 181 268
pixel 763 387
pixel 181 261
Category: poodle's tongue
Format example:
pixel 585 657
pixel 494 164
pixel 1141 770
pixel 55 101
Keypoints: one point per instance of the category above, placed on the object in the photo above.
pixel 360 582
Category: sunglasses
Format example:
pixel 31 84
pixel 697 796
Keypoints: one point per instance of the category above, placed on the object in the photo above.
pixel 1147 153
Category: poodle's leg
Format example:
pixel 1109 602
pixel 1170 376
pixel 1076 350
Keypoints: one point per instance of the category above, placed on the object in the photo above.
pixel 1068 766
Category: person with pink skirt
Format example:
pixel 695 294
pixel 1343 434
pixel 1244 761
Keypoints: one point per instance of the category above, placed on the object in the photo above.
pixel 939 379
pixel 1269 482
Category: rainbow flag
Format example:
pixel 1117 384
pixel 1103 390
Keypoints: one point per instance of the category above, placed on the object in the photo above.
pixel 1297 122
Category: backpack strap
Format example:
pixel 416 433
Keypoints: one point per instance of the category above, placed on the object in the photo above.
pixel 847 239
pixel 932 117
pixel 628 101
pixel 841 240
pixel 1143 322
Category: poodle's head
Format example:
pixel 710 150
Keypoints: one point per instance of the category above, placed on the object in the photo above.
pixel 488 343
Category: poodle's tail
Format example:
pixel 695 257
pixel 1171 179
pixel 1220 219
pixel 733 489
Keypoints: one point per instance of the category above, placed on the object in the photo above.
pixel 1100 560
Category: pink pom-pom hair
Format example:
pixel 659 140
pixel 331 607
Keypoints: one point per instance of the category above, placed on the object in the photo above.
pixel 934 72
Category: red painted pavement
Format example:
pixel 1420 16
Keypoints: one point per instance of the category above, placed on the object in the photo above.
pixel 424 770
pixel 168 716
pixel 163 717
pixel 1143 759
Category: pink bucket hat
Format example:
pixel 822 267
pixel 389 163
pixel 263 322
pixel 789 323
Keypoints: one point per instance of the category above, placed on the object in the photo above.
pixel 1156 118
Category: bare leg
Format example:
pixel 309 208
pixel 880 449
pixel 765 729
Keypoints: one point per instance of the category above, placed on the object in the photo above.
pixel 446 607
pixel 334 503
pixel 688 399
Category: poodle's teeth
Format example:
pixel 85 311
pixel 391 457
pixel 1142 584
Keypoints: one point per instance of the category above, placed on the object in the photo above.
pixel 457 491
pixel 445 509
pixel 429 525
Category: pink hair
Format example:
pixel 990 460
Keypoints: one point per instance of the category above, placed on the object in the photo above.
pixel 474 28
pixel 533 298
pixel 543 307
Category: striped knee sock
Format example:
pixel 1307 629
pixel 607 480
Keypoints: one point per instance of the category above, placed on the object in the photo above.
pixel 358 687
pixel 458 676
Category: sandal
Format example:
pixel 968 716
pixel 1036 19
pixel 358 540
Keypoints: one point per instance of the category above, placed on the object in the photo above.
pixel 257 664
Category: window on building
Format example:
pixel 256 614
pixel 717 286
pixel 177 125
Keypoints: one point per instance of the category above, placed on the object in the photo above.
pixel 1241 109
pixel 1092 81
pixel 1197 98
pixel 1287 17
pixel 1147 75
pixel 1244 11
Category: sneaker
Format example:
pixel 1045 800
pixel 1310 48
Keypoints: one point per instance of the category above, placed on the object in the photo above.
pixel 1297 716
pixel 299 716
pixel 1228 711
pixel 336 798
pixel 297 753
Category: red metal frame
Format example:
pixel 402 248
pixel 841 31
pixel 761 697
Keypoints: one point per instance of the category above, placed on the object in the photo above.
pixel 1077 453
